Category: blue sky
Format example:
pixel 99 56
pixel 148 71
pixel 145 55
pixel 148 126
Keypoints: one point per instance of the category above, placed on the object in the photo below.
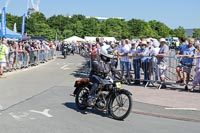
pixel 173 13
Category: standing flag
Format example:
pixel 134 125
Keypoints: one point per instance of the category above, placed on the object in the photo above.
pixel 23 24
pixel 15 27
pixel 0 29
pixel 3 22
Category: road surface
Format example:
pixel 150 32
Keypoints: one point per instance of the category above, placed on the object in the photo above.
pixel 38 101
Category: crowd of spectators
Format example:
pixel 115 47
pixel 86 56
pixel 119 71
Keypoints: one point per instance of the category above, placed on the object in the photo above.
pixel 148 56
pixel 22 54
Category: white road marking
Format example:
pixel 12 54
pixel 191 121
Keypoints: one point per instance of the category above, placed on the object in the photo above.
pixel 31 118
pixel 45 112
pixel 189 109
pixel 65 67
pixel 19 116
pixel 1 107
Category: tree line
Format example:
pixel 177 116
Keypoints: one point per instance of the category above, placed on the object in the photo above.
pixel 64 26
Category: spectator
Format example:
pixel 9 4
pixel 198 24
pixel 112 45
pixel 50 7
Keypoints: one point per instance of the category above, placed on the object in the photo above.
pixel 182 42
pixel 42 51
pixel 3 57
pixel 20 54
pixel 115 58
pixel 123 51
pixel 144 53
pixel 136 62
pixel 93 52
pixel 154 60
pixel 27 49
pixel 196 80
pixel 11 56
pixel 162 60
pixel 73 47
pixel 101 41
pixel 186 52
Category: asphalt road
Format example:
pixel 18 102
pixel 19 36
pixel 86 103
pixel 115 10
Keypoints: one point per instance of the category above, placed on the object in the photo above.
pixel 38 101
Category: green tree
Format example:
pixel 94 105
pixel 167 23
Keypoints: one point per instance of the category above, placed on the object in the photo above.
pixel 78 28
pixel 140 28
pixel 91 27
pixel 159 29
pixel 64 26
pixel 67 33
pixel 179 32
pixel 196 33
pixel 57 22
pixel 32 24
pixel 114 27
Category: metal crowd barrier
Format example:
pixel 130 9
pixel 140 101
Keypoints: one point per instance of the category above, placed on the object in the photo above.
pixel 149 72
pixel 26 59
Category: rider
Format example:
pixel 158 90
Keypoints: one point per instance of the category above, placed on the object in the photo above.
pixel 101 67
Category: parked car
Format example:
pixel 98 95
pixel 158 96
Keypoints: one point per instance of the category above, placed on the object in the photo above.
pixel 171 42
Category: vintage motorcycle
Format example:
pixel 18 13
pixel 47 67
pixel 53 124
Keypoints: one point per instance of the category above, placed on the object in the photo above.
pixel 109 97
pixel 65 51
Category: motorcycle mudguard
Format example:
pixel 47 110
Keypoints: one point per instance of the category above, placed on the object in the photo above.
pixel 76 90
pixel 80 84
pixel 125 91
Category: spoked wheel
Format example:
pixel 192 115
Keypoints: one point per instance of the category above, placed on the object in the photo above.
pixel 81 98
pixel 120 106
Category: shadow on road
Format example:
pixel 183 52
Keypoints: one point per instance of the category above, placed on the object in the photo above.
pixel 61 57
pixel 86 111
pixel 81 72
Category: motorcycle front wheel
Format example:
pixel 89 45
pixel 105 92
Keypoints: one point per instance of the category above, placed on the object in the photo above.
pixel 120 106
pixel 81 98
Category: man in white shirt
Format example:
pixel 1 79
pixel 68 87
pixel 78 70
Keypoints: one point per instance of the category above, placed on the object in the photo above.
pixel 123 51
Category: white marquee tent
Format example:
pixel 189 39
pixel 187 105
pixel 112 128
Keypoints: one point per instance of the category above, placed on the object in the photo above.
pixel 93 39
pixel 74 39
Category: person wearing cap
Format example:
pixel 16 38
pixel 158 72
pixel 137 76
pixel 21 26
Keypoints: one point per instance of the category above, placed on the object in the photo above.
pixel 186 52
pixel 3 57
pixel 162 60
pixel 154 60
pixel 136 62
pixel 144 54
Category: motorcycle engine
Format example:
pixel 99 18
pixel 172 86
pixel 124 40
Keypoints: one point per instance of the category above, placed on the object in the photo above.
pixel 101 102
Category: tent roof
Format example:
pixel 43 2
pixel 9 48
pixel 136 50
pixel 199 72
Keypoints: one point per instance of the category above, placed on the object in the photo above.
pixel 90 38
pixel 110 39
pixel 12 34
pixel 93 39
pixel 75 39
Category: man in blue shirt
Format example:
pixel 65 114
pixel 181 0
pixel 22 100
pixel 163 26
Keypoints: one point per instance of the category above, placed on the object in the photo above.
pixel 186 52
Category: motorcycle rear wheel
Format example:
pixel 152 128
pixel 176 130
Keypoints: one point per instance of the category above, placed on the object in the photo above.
pixel 81 98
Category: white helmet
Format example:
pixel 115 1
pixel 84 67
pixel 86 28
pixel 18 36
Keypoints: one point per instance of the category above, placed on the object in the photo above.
pixel 104 50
